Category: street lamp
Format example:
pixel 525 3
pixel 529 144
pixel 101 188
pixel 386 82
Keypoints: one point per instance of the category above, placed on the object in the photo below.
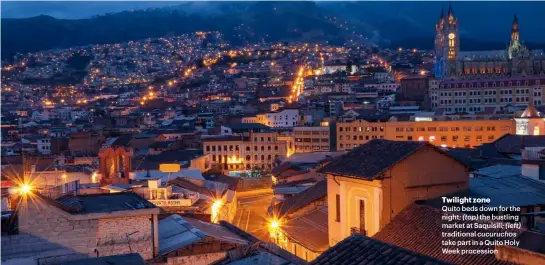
pixel 25 189
pixel 274 227
pixel 215 210
pixel 275 224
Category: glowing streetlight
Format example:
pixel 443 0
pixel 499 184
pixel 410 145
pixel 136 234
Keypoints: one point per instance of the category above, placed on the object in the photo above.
pixel 94 177
pixel 275 224
pixel 215 210
pixel 274 227
pixel 25 188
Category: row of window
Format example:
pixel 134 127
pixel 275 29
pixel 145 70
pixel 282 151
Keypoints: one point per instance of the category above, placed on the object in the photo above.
pixel 248 166
pixel 434 129
pixel 361 129
pixel 313 140
pixel 236 148
pixel 280 123
pixel 296 132
pixel 225 158
pixel 262 139
pixel 489 93
pixel 315 148
pixel 452 129
pixel 496 70
pixel 360 137
pixel 494 84
pixel 455 138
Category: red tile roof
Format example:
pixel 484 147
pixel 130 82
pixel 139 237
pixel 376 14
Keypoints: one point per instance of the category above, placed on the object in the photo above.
pixel 418 228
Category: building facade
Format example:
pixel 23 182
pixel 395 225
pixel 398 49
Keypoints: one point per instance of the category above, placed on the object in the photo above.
pixel 312 139
pixel 487 95
pixel 281 119
pixel 451 63
pixel 233 154
pixel 364 199
pixel 455 133
pixel 115 165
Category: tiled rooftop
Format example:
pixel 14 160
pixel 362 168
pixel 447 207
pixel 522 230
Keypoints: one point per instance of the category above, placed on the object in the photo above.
pixel 362 250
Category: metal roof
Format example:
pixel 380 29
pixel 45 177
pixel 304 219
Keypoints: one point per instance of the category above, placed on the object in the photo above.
pixel 504 188
pixel 176 232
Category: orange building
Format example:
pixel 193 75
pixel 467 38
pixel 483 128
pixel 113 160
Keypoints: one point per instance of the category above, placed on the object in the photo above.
pixel 456 133
pixel 445 133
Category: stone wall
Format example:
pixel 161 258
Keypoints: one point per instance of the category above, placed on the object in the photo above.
pixel 203 259
pixel 124 235
pixel 51 235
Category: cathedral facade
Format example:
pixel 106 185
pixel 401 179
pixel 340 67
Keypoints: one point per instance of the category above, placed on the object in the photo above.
pixel 452 64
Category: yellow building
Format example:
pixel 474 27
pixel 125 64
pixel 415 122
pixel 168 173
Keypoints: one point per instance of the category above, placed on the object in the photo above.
pixel 372 184
pixel 464 133
pixel 457 133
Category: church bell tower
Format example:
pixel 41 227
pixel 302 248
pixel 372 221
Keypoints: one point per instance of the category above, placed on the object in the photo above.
pixel 447 44
pixel 452 49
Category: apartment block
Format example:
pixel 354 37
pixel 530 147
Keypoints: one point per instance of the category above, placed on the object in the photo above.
pixel 455 133
pixel 312 139
pixel 245 153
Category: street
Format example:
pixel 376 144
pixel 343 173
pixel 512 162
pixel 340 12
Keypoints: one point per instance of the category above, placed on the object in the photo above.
pixel 252 215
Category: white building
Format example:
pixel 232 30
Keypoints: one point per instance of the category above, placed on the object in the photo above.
pixel 281 119
pixel 383 77
pixel 44 146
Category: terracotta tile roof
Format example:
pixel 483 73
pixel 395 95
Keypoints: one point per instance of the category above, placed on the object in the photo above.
pixel 418 228
pixel 316 192
pixel 310 230
pixel 372 158
pixel 362 250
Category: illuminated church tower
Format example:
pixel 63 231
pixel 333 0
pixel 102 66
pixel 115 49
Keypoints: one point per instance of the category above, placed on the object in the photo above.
pixel 447 44
pixel 514 44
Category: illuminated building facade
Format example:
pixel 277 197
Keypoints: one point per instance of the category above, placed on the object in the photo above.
pixel 487 95
pixel 258 151
pixel 279 119
pixel 115 165
pixel 451 63
pixel 530 122
pixel 365 197
pixel 456 133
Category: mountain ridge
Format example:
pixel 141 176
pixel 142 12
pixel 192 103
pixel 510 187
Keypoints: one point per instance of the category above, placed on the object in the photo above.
pixel 388 24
